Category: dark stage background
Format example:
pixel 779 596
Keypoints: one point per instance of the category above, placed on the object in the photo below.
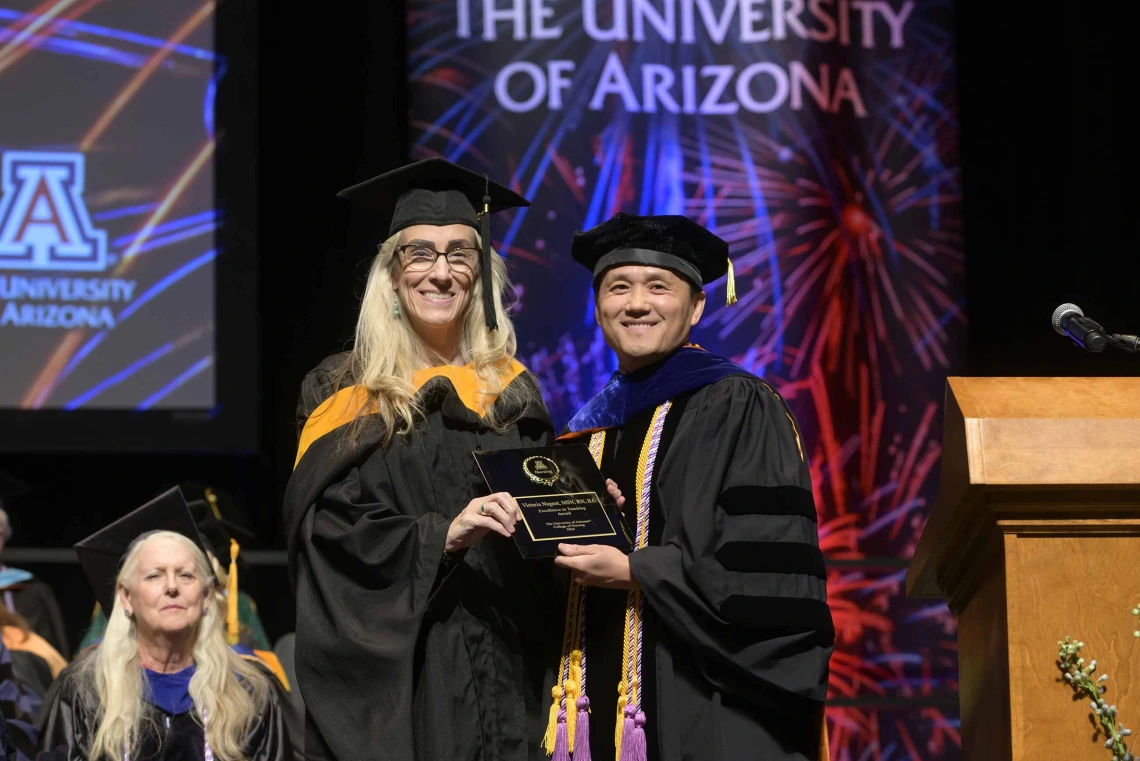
pixel 1048 173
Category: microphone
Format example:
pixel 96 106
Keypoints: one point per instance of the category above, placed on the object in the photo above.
pixel 1069 320
pixel 1128 343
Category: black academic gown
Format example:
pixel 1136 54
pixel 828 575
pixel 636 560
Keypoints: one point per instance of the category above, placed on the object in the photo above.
pixel 32 671
pixel 67 726
pixel 738 633
pixel 403 653
pixel 18 706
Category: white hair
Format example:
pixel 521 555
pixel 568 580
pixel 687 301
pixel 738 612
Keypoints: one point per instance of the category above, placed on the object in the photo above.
pixel 224 687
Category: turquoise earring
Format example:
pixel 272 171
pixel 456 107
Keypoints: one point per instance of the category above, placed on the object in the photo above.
pixel 396 310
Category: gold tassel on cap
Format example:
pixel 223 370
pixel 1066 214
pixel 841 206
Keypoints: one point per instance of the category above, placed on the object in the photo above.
pixel 730 285
pixel 232 635
pixel 212 500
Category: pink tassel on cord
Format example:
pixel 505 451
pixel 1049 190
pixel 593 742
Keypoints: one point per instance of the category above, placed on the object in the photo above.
pixel 629 746
pixel 561 739
pixel 582 732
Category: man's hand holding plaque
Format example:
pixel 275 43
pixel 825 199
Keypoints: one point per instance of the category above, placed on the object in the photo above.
pixel 561 495
pixel 596 566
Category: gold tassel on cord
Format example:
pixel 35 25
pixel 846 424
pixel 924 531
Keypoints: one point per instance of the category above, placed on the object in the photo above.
pixel 232 635
pixel 730 285
pixel 552 722
pixel 572 687
pixel 556 693
pixel 623 701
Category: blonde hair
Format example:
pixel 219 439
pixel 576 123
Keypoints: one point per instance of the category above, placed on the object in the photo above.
pixel 225 688
pixel 387 351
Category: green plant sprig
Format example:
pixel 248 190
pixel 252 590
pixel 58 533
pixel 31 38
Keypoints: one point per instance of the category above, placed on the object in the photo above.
pixel 1079 677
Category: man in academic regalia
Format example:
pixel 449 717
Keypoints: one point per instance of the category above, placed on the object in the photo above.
pixel 711 639
pixel 20 591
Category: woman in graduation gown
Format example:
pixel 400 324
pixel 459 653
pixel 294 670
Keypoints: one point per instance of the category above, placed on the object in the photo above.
pixel 20 592
pixel 420 629
pixel 163 684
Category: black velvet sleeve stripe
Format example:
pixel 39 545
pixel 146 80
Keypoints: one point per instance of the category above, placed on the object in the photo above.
pixel 781 613
pixel 768 500
pixel 771 557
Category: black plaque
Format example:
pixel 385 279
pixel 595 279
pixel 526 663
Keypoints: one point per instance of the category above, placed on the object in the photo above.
pixel 562 495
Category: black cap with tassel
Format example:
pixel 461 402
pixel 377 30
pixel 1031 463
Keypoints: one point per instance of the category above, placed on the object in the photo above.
pixel 485 255
pixel 438 192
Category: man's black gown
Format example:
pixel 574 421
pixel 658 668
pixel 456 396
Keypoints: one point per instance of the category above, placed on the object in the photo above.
pixel 402 652
pixel 737 632
pixel 68 727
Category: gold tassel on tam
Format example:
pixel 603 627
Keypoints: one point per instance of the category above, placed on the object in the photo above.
pixel 730 286
pixel 232 635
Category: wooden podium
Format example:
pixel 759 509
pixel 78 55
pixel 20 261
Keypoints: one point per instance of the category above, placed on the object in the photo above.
pixel 1036 535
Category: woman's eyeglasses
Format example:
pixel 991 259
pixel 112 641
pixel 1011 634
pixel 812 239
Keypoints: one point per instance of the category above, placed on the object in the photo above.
pixel 417 257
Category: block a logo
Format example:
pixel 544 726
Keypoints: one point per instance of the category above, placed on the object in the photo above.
pixel 43 220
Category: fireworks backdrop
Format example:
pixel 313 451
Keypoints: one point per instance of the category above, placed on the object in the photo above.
pixel 107 212
pixel 820 140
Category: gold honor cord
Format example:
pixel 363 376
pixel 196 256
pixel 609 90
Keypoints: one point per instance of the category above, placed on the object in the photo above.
pixel 571 682
pixel 567 726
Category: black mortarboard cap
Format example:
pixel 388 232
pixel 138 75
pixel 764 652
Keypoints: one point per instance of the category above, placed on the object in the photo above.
pixel 669 241
pixel 101 554
pixel 213 517
pixel 11 489
pixel 437 192
pixel 432 192
pixel 215 533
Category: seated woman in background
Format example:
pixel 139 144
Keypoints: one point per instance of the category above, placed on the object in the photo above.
pixel 20 591
pixel 219 534
pixel 34 662
pixel 163 684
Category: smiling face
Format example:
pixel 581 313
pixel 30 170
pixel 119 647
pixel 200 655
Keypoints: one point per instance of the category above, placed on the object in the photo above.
pixel 436 299
pixel 646 313
pixel 167 593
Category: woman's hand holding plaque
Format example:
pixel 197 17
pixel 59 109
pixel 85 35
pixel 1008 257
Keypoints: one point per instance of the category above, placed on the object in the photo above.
pixel 497 512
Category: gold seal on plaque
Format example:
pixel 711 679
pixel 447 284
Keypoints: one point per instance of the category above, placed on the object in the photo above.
pixel 541 470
